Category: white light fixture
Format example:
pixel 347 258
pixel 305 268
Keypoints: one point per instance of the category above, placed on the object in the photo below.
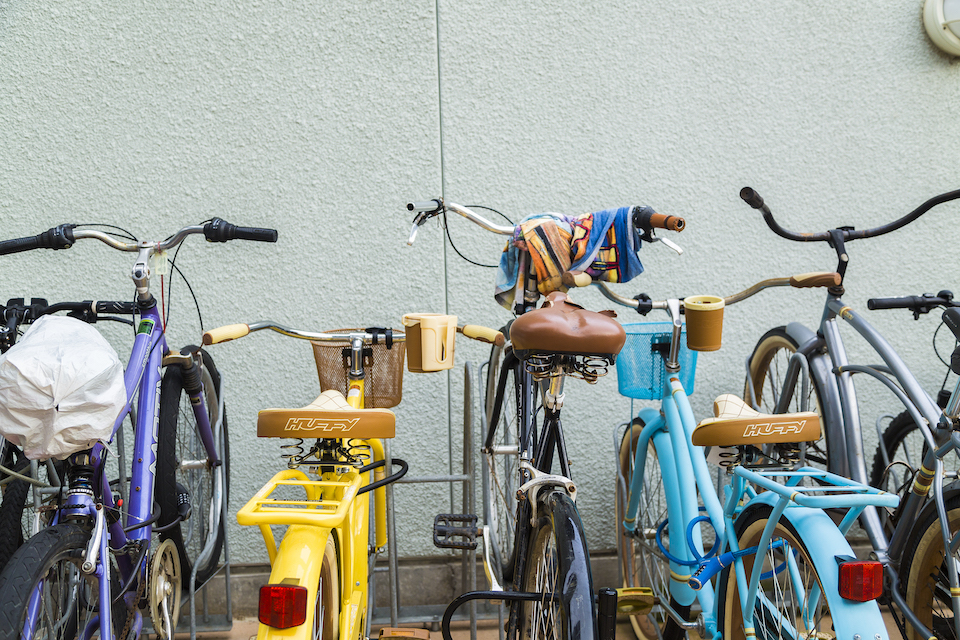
pixel 941 18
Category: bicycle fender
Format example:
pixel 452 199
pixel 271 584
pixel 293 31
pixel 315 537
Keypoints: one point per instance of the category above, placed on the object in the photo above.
pixel 803 335
pixel 575 579
pixel 299 560
pixel 824 543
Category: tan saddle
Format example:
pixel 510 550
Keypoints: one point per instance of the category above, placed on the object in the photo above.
pixel 329 416
pixel 564 328
pixel 738 424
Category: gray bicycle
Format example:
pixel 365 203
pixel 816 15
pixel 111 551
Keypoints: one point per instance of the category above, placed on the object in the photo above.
pixel 793 366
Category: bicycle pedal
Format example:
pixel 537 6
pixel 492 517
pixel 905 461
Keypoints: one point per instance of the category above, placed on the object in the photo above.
pixel 404 632
pixel 455 531
pixel 184 508
pixel 636 600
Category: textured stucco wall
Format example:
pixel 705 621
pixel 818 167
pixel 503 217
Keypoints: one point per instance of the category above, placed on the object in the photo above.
pixel 323 119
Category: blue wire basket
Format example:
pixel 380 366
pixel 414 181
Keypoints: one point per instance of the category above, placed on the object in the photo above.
pixel 640 363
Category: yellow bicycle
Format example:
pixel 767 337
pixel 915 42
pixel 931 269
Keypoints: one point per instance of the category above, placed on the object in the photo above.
pixel 320 571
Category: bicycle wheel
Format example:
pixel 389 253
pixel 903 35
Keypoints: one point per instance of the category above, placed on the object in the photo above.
pixel 17 511
pixel 783 597
pixel 326 615
pixel 501 471
pixel 768 367
pixel 903 443
pixel 558 562
pixel 923 572
pixel 48 565
pixel 644 565
pixel 13 528
pixel 179 442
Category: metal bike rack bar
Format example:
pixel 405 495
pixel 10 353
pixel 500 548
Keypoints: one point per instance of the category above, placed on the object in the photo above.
pixel 467 478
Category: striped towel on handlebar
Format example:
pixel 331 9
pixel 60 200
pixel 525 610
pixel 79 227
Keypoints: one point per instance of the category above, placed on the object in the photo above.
pixel 604 244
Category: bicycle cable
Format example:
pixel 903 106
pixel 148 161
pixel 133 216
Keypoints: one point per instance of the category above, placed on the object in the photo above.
pixel 126 235
pixel 196 303
pixel 446 229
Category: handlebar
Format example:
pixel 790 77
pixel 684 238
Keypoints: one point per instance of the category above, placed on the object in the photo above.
pixel 234 331
pixel 643 304
pixel 753 199
pixel 644 218
pixel 17 312
pixel 924 303
pixel 65 235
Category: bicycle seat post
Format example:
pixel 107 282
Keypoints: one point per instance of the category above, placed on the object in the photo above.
pixel 672 363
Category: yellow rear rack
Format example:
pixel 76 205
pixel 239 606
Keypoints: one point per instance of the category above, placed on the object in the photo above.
pixel 325 505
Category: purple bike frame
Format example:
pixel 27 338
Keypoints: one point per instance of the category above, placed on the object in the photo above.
pixel 143 375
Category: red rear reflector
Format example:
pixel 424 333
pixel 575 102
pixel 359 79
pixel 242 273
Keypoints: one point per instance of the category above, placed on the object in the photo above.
pixel 861 580
pixel 283 606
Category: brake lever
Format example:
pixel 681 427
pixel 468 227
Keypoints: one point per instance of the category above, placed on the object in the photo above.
pixel 417 223
pixel 652 237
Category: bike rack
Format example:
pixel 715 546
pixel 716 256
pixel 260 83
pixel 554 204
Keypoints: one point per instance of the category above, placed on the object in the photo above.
pixel 207 621
pixel 467 478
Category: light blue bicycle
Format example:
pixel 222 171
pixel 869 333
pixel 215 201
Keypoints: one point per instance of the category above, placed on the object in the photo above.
pixel 758 559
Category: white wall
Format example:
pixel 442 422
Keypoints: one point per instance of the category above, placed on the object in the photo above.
pixel 323 119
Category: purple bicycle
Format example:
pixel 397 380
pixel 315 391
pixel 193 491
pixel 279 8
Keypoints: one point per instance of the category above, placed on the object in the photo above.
pixel 95 564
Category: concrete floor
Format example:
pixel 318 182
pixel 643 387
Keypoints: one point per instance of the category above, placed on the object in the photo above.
pixel 246 628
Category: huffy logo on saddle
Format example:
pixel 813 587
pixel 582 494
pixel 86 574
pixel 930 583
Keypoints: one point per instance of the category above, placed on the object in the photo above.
pixel 321 424
pixel 773 428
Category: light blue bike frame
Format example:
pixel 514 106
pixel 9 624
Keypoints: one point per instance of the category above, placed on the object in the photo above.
pixel 685 475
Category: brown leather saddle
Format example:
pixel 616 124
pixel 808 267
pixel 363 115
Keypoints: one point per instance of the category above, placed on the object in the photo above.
pixel 561 327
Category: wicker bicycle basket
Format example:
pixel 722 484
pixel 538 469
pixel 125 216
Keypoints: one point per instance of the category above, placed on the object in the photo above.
pixel 383 383
pixel 640 364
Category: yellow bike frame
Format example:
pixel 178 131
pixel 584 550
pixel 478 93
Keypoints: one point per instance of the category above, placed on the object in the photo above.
pixel 331 506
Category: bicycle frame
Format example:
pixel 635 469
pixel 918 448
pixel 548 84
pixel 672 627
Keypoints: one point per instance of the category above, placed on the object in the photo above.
pixel 141 379
pixel 686 476
pixel 335 505
pixel 839 405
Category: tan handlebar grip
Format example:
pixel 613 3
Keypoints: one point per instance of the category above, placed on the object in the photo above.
pixel 576 279
pixel 670 223
pixel 225 333
pixel 483 334
pixel 818 279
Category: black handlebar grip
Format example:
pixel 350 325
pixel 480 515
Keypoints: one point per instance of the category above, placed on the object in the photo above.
pixel 751 197
pixel 19 244
pixel 60 237
pixel 907 302
pixel 125 308
pixel 257 234
pixel 219 230
pixel 890 303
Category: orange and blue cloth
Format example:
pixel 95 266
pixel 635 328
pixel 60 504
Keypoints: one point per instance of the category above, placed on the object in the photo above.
pixel 603 244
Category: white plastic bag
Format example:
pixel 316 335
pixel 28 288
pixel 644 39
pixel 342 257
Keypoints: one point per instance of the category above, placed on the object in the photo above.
pixel 61 389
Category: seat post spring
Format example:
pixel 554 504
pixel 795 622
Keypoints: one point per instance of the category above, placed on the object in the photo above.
pixel 590 368
pixel 541 365
pixel 293 458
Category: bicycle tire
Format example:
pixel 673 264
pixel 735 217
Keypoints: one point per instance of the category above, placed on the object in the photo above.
pixel 12 534
pixel 769 619
pixel 558 561
pixel 925 584
pixel 55 552
pixel 643 565
pixel 326 613
pixel 501 472
pixel 768 366
pixel 178 440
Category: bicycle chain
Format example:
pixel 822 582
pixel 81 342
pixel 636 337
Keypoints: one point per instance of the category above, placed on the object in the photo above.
pixel 141 586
